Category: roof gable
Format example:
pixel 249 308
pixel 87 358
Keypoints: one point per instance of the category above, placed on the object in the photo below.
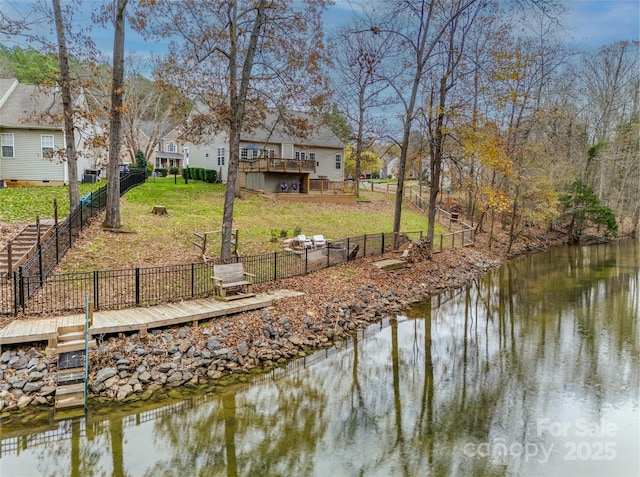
pixel 28 105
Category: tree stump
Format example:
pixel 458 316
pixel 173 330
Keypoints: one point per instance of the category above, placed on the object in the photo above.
pixel 159 210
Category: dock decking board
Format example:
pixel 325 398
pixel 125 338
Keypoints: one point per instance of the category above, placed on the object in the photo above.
pixel 136 319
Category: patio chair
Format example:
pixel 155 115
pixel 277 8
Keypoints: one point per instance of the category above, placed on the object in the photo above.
pixel 319 241
pixel 304 242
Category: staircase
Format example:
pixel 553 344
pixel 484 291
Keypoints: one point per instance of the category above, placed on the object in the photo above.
pixel 71 347
pixel 22 246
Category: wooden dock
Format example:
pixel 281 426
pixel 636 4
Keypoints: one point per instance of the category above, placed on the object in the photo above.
pixel 137 319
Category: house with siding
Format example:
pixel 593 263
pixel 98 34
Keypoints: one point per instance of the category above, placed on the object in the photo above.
pixel 276 160
pixel 32 142
pixel 160 143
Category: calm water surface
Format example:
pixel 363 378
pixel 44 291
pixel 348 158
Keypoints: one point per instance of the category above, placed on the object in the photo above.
pixel 533 370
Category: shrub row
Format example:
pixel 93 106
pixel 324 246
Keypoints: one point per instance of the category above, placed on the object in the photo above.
pixel 200 174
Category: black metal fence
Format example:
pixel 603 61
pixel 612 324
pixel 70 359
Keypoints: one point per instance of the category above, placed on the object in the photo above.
pixel 33 294
pixel 33 274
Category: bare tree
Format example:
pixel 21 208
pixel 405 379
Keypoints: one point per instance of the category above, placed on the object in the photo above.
pixel 360 86
pixel 416 28
pixel 67 105
pixel 112 216
pixel 25 24
pixel 239 58
pixel 149 101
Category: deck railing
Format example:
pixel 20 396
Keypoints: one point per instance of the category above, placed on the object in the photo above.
pixel 276 164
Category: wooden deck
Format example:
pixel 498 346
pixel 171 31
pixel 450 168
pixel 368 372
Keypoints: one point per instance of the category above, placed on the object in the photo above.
pixel 137 319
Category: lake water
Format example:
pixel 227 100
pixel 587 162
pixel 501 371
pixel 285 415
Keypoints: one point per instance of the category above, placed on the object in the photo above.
pixel 532 370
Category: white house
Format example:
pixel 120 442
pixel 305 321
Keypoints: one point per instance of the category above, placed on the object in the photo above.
pixel 32 136
pixel 273 159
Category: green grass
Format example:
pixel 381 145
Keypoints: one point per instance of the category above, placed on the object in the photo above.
pixel 26 203
pixel 198 207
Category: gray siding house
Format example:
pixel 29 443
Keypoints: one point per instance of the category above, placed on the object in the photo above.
pixel 32 143
pixel 275 160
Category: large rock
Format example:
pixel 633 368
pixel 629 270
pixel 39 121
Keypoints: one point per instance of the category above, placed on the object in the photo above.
pixel 243 349
pixel 33 387
pixel 104 374
pixel 5 357
pixel 35 376
pixel 19 362
pixel 24 401
pixel 124 391
pixel 213 344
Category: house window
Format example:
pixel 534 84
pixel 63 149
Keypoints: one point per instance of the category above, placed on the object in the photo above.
pixel 244 153
pixel 171 147
pixel 256 153
pixel 301 156
pixel 312 156
pixel 271 153
pixel 221 156
pixel 206 152
pixel 46 142
pixel 338 161
pixel 7 144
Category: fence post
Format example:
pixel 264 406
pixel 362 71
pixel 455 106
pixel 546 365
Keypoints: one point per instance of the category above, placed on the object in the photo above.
pixel 21 289
pixel 275 265
pixel 40 263
pixel 349 244
pixel 9 259
pixel 96 290
pixel 193 279
pixel 441 242
pixel 453 241
pixel 15 293
pixel 382 249
pixel 306 260
pixel 364 247
pixel 57 245
pixel 137 285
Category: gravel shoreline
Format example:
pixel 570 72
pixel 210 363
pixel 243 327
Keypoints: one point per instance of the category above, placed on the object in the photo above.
pixel 336 301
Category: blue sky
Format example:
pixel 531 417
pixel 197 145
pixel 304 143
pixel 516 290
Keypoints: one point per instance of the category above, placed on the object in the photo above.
pixel 591 24
pixel 597 23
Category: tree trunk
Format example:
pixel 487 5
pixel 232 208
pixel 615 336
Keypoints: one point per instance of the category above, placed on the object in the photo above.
pixel 67 105
pixel 237 100
pixel 112 216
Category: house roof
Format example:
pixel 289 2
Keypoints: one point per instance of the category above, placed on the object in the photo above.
pixel 148 127
pixel 28 105
pixel 275 131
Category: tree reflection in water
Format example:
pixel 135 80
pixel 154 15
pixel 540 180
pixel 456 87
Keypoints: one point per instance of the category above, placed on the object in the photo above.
pixel 542 337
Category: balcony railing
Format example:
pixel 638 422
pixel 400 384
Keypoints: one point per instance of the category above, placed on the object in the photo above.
pixel 271 164
pixel 331 187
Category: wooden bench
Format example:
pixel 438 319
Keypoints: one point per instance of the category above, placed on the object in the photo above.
pixel 230 281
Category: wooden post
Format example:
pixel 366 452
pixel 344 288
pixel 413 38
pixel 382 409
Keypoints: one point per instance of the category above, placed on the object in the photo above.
pixel 90 310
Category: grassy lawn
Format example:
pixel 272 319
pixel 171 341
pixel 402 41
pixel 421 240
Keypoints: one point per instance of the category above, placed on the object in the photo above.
pixel 197 207
pixel 27 203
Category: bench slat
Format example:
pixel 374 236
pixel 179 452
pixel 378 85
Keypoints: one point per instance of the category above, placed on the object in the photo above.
pixel 231 276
